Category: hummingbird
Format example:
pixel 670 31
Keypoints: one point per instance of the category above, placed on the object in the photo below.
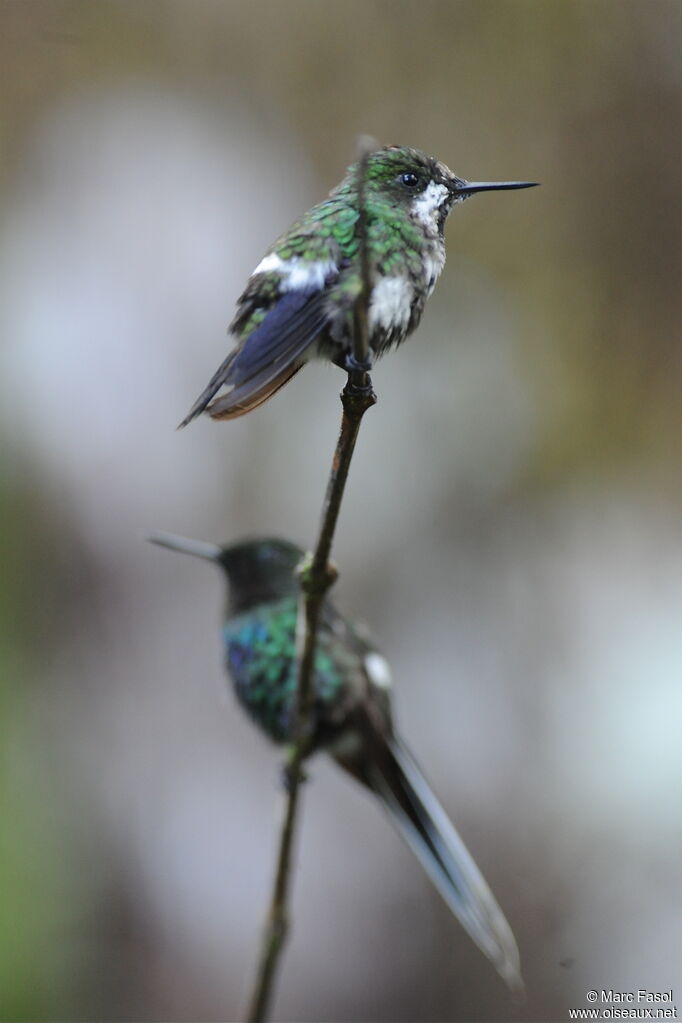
pixel 350 719
pixel 299 301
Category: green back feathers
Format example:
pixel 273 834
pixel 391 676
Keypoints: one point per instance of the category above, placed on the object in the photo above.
pixel 331 226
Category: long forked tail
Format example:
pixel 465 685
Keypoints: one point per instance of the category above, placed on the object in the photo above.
pixel 422 821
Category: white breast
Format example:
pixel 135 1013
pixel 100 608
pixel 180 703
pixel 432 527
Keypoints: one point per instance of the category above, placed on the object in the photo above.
pixel 391 304
pixel 433 261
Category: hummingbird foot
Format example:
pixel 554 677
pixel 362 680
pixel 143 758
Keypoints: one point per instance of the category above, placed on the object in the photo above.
pixel 359 385
pixel 353 365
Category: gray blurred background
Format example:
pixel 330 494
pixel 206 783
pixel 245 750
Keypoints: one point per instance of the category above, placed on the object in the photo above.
pixel 511 532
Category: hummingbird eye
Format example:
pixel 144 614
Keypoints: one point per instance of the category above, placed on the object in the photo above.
pixel 409 179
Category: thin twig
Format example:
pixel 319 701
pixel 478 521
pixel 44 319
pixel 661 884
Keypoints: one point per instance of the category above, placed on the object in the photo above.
pixel 361 325
pixel 317 575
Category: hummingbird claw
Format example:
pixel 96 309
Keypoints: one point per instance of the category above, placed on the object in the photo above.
pixel 359 384
pixel 353 365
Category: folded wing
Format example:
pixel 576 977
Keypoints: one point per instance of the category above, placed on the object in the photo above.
pixel 269 356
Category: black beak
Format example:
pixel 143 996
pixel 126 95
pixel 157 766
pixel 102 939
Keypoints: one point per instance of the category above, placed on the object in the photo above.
pixel 465 188
pixel 199 549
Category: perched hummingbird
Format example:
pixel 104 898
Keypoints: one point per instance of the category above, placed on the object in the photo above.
pixel 350 719
pixel 298 303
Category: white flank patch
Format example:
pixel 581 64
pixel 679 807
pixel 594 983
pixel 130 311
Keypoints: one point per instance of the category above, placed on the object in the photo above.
pixel 426 206
pixel 378 670
pixel 391 303
pixel 268 264
pixel 297 273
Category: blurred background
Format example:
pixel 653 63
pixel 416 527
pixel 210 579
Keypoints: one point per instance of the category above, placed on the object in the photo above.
pixel 511 532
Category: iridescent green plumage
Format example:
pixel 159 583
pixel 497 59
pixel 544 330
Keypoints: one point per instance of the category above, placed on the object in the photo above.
pixel 350 718
pixel 261 657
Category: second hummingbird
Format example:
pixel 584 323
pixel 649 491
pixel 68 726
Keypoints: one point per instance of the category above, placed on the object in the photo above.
pixel 350 717
pixel 299 301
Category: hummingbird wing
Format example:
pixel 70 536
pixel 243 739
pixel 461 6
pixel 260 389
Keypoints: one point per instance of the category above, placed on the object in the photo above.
pixel 285 308
pixel 267 357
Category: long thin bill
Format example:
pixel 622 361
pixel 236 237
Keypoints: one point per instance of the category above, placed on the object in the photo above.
pixel 198 548
pixel 469 187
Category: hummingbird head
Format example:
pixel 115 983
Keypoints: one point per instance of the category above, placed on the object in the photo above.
pixel 257 570
pixel 419 184
pixel 260 570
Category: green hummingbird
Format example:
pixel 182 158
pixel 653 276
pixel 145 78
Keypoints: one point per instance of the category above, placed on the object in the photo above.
pixel 350 718
pixel 299 301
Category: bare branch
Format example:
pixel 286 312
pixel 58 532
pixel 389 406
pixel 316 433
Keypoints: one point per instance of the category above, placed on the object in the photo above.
pixel 317 576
